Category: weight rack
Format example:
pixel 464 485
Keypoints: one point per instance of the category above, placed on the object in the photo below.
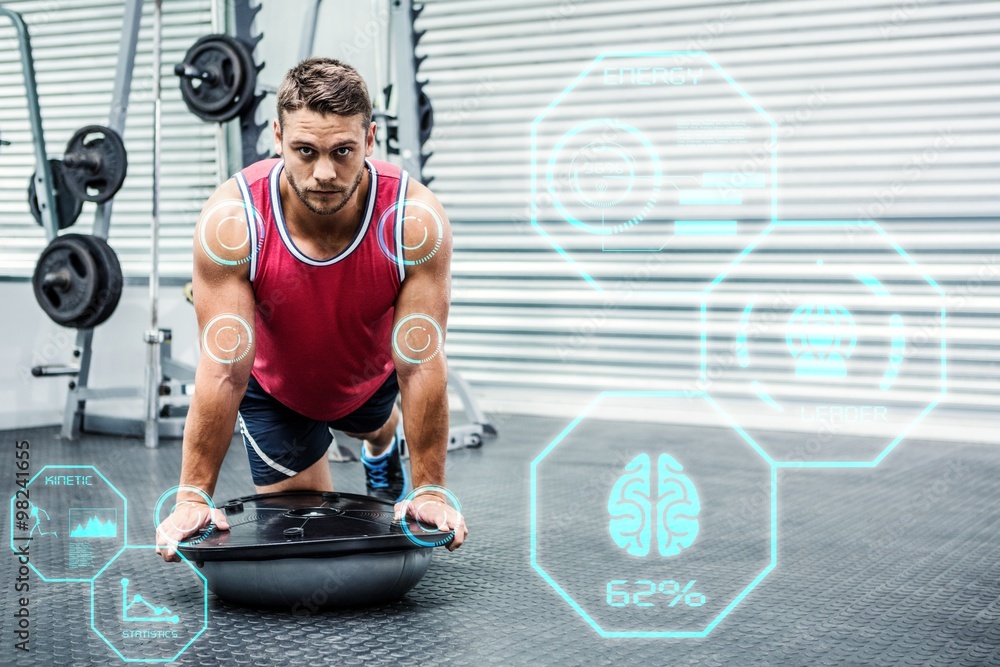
pixel 174 375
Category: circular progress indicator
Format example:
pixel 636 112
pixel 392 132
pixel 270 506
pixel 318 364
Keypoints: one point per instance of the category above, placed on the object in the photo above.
pixel 604 176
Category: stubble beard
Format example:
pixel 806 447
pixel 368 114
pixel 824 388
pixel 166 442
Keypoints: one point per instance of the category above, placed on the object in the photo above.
pixel 334 208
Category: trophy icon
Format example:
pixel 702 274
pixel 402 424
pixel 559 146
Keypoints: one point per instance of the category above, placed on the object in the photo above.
pixel 821 337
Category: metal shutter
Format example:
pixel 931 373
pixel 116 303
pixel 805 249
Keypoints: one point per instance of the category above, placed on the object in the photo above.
pixel 75 47
pixel 527 332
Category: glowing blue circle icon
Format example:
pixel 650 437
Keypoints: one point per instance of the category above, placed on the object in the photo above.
pixel 639 515
pixel 411 213
pixel 225 232
pixel 227 338
pixel 602 174
pixel 612 172
pixel 158 512
pixel 417 338
pixel 821 337
pixel 424 542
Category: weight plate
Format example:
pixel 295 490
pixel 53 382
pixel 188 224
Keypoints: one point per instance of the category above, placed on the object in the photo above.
pixel 110 284
pixel 218 59
pixel 95 163
pixel 218 78
pixel 425 116
pixel 66 279
pixel 68 207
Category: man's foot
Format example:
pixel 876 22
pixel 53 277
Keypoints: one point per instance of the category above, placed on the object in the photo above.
pixel 384 474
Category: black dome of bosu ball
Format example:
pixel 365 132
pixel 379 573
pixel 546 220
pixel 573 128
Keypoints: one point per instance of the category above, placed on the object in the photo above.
pixel 307 549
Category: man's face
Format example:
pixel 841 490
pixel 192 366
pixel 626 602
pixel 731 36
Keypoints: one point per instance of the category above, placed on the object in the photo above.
pixel 324 157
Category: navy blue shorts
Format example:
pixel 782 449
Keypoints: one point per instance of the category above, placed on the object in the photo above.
pixel 281 443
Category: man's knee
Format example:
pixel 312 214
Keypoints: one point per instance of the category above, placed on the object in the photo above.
pixel 389 427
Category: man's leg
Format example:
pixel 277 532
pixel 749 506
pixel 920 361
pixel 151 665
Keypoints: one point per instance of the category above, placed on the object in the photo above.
pixel 375 424
pixel 385 474
pixel 377 441
pixel 286 450
pixel 314 478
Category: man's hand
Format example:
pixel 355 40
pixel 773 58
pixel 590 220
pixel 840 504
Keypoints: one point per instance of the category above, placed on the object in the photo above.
pixel 188 518
pixel 430 510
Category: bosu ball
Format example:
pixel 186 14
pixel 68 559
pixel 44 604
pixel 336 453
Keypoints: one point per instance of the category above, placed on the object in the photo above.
pixel 313 549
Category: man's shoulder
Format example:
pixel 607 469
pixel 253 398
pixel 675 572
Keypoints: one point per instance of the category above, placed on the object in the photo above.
pixel 259 170
pixel 386 170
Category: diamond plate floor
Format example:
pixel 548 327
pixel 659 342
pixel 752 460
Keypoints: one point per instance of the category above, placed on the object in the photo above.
pixel 892 566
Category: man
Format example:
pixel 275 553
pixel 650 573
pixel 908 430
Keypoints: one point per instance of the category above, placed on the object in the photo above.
pixel 314 312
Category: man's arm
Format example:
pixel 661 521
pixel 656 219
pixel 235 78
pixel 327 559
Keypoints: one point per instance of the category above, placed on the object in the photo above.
pixel 225 308
pixel 420 322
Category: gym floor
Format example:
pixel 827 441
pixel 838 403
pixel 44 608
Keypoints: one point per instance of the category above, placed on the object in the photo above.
pixel 895 565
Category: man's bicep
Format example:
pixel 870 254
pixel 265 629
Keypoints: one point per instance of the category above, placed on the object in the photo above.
pixel 223 296
pixel 421 319
pixel 226 320
pixel 421 315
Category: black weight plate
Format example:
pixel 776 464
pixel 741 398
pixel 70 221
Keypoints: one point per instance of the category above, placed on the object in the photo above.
pixel 249 90
pixel 72 258
pixel 68 207
pixel 95 163
pixel 425 114
pixel 221 59
pixel 110 284
pixel 332 525
pixel 234 78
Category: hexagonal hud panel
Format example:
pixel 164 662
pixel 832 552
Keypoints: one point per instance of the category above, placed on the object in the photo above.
pixel 801 336
pixel 677 532
pixel 643 150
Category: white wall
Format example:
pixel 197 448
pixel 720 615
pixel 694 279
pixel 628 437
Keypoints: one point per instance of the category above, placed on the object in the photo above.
pixel 28 338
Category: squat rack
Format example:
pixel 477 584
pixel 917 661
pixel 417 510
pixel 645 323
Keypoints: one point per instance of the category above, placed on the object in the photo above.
pixel 162 367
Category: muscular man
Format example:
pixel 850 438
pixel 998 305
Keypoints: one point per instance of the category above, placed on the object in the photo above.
pixel 316 306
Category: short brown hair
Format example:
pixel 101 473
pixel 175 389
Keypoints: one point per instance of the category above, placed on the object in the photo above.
pixel 326 86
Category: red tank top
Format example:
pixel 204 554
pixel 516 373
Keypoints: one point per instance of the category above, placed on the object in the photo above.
pixel 324 326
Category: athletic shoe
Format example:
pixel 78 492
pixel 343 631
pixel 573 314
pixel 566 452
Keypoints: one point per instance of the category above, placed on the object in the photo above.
pixel 384 475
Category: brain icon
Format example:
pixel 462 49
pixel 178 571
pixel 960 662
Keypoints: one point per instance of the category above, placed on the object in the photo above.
pixel 638 516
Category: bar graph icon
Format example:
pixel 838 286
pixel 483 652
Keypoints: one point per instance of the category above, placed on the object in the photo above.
pixel 93 522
